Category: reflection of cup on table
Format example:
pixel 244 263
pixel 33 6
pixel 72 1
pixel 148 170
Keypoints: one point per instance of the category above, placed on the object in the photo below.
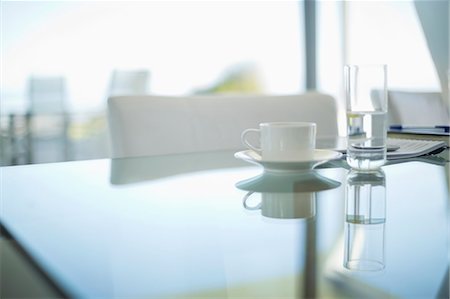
pixel 284 141
pixel 366 96
pixel 284 205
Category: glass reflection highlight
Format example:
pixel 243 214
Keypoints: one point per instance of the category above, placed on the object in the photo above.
pixel 365 221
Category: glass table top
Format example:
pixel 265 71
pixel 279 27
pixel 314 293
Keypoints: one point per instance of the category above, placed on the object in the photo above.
pixel 207 225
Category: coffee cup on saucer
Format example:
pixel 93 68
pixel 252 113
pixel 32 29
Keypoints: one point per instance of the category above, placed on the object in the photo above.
pixel 283 141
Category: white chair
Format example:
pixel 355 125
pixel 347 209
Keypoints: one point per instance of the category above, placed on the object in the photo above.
pixel 129 82
pixel 47 121
pixel 416 108
pixel 47 95
pixel 154 125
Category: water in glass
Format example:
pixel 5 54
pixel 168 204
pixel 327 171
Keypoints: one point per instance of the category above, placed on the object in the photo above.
pixel 366 148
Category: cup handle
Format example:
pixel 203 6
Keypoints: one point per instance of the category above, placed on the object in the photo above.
pixel 245 141
pixel 244 202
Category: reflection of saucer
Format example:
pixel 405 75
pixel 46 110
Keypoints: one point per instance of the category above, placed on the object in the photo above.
pixel 309 181
pixel 319 157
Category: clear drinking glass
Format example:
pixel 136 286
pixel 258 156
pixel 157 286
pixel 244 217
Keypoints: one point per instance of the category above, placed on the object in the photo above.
pixel 365 221
pixel 366 97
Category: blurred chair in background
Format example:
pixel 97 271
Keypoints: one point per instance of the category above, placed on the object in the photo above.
pixel 40 135
pixel 131 82
pixel 48 119
pixel 155 125
pixel 47 95
pixel 417 108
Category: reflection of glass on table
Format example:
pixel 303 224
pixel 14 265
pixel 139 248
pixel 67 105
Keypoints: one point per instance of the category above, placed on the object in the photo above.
pixel 365 221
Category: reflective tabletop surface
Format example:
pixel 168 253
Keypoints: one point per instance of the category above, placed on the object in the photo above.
pixel 208 225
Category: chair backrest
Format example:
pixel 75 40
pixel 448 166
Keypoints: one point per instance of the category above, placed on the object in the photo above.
pixel 152 125
pixel 129 82
pixel 416 108
pixel 47 95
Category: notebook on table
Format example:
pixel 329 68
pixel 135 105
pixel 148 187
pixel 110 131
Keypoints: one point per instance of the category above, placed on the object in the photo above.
pixel 441 130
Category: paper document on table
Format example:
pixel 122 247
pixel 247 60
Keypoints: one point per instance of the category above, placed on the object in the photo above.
pixel 409 148
pixel 398 148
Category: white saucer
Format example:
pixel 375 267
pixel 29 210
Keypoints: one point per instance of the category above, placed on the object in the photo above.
pixel 320 156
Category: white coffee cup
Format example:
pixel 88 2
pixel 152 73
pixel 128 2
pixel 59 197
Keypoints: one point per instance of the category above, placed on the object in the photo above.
pixel 284 141
pixel 284 205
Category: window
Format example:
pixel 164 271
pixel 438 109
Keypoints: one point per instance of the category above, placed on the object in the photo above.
pixel 373 32
pixel 186 47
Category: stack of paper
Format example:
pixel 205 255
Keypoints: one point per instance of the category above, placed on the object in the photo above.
pixel 409 148
pixel 398 148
